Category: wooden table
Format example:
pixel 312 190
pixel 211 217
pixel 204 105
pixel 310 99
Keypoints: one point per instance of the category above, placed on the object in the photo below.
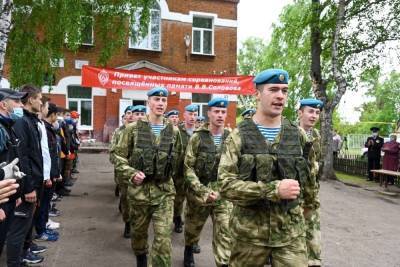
pixel 383 175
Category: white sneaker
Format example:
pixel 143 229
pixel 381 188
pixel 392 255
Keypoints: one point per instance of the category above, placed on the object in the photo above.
pixel 52 225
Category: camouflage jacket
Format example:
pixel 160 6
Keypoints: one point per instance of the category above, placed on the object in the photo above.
pixel 149 192
pixel 197 191
pixel 314 158
pixel 258 216
pixel 185 136
pixel 114 141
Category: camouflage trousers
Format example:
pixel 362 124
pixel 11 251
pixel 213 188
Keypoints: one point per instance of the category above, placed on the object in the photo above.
pixel 179 197
pixel 123 200
pixel 161 216
pixel 195 218
pixel 249 255
pixel 313 237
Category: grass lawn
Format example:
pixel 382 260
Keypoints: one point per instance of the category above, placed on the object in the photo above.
pixel 353 179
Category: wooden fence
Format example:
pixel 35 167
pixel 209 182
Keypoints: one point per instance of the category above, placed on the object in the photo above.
pixel 351 164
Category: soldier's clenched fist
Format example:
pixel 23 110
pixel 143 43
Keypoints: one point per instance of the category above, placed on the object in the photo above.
pixel 288 189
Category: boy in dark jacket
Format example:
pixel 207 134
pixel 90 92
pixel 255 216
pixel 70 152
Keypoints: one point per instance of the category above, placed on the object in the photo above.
pixel 31 163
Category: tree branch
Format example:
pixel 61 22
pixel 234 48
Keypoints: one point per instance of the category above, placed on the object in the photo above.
pixel 361 10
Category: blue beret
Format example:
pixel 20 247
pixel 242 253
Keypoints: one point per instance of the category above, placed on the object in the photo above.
pixel 128 108
pixel 171 112
pixel 249 111
pixel 158 91
pixel 200 118
pixel 218 102
pixel 139 108
pixel 192 108
pixel 311 102
pixel 272 76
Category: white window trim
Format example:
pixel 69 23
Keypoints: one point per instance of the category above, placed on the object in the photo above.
pixel 80 126
pixel 200 105
pixel 132 46
pixel 67 99
pixel 202 30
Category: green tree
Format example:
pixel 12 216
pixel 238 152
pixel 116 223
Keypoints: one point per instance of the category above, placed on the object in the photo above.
pixel 326 46
pixel 386 105
pixel 36 33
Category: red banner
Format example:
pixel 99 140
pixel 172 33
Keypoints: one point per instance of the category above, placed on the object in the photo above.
pixel 135 80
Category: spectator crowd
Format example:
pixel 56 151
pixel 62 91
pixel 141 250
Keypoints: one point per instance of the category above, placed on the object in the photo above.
pixel 38 155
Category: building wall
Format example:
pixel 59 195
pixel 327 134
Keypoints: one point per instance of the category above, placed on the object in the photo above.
pixel 176 24
pixel 224 9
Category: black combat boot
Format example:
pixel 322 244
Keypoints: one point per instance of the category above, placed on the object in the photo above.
pixel 127 230
pixel 178 224
pixel 141 260
pixel 116 192
pixel 188 259
pixel 196 249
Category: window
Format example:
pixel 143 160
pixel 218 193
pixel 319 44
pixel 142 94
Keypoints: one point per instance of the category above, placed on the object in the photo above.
pixel 87 37
pixel 138 102
pixel 202 101
pixel 80 99
pixel 203 36
pixel 152 41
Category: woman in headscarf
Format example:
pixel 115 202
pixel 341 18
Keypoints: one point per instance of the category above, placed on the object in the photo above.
pixel 391 157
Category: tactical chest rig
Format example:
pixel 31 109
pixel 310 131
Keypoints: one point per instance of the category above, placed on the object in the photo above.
pixel 155 160
pixel 261 161
pixel 209 156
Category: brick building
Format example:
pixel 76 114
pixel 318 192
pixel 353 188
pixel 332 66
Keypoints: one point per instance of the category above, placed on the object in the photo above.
pixel 185 37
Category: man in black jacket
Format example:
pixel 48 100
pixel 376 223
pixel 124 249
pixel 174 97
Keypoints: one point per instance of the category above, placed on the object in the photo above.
pixel 51 166
pixel 10 104
pixel 31 163
pixel 374 144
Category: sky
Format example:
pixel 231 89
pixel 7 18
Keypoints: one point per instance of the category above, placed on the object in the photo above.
pixel 255 18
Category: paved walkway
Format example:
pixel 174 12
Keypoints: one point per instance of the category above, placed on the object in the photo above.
pixel 359 227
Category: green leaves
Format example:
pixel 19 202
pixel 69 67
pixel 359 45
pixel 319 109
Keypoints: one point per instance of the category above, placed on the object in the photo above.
pixel 42 30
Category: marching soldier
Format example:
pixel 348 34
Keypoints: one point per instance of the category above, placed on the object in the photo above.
pixel 186 129
pixel 308 114
pixel 121 186
pixel 145 156
pixel 199 121
pixel 248 113
pixel 138 112
pixel 262 171
pixel 203 198
pixel 173 116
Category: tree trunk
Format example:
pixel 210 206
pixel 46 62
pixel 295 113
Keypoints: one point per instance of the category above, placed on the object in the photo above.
pixel 5 28
pixel 319 88
pixel 328 171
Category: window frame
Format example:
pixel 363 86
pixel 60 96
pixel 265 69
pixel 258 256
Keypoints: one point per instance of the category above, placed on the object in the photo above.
pixel 79 102
pixel 92 43
pixel 131 45
pixel 202 30
pixel 201 106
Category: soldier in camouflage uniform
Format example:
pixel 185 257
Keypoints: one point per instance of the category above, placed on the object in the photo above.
pixel 203 198
pixel 145 155
pixel 186 129
pixel 308 113
pixel 121 186
pixel 200 121
pixel 262 171
pixel 173 116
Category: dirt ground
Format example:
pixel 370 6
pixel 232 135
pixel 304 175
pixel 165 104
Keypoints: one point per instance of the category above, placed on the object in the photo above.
pixel 359 227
